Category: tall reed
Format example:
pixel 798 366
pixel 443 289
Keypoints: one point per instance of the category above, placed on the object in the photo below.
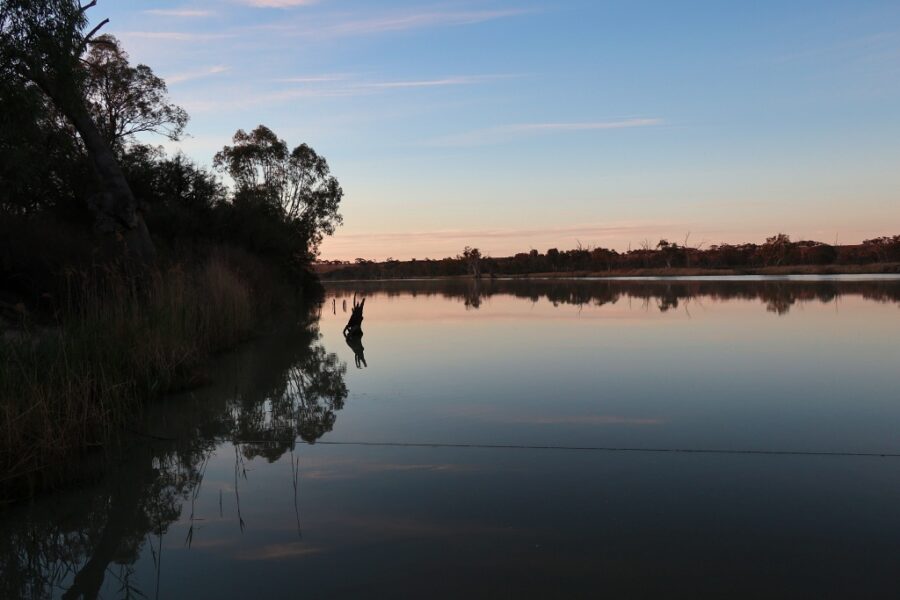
pixel 70 387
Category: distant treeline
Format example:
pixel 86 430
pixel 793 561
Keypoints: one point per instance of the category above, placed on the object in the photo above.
pixel 777 252
pixel 778 296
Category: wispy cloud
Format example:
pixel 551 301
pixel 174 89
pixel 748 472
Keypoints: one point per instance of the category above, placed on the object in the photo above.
pixel 426 83
pixel 178 12
pixel 329 78
pixel 333 86
pixel 279 3
pixel 199 74
pixel 507 133
pixel 331 27
pixel 586 231
pixel 420 20
pixel 338 26
pixel 244 99
pixel 177 36
pixel 392 85
pixel 356 83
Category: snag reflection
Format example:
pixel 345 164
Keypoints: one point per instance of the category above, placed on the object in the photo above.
pixel 246 486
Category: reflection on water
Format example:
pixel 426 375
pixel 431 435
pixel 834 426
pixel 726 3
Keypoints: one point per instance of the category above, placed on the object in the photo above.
pixel 359 353
pixel 246 487
pixel 778 294
pixel 284 389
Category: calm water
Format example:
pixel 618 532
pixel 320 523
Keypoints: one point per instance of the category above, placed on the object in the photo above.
pixel 511 439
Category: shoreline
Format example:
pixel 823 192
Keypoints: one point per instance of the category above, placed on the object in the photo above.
pixel 70 389
pixel 890 268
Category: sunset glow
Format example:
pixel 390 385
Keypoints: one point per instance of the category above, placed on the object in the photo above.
pixel 512 126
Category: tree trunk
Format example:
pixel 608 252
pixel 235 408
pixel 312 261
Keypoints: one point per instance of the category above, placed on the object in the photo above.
pixel 116 208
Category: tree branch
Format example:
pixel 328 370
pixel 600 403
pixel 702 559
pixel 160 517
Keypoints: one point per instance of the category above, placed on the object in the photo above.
pixel 87 38
pixel 83 9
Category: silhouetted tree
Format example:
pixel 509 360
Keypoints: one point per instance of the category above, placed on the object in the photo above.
pixel 472 257
pixel 42 42
pixel 297 182
pixel 776 249
pixel 126 100
pixel 42 166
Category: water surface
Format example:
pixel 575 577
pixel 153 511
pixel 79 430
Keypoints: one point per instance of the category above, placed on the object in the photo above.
pixel 511 438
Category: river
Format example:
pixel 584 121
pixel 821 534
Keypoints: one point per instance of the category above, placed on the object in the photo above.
pixel 508 438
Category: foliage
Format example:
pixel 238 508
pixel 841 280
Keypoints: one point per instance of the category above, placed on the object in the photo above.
pixel 472 258
pixel 43 40
pixel 126 100
pixel 91 338
pixel 42 167
pixel 46 173
pixel 297 182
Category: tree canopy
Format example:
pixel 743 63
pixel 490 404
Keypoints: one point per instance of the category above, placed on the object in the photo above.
pixel 127 100
pixel 297 182
pixel 42 43
pixel 72 148
pixel 43 40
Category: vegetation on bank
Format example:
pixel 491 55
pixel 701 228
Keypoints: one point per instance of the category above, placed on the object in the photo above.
pixel 264 396
pixel 777 256
pixel 122 269
pixel 71 385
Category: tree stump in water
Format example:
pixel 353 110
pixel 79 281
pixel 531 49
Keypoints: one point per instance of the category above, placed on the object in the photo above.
pixel 354 325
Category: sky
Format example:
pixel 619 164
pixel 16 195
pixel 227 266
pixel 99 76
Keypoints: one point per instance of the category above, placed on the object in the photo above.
pixel 517 125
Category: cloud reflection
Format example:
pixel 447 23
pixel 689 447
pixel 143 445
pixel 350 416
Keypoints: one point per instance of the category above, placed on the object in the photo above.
pixel 279 551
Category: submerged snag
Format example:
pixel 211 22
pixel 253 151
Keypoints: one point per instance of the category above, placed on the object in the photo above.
pixel 354 324
pixel 359 352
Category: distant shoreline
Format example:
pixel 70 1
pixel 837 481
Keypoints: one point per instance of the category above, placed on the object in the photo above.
pixel 887 268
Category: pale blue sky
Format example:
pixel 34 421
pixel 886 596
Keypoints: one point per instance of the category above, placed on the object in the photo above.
pixel 517 125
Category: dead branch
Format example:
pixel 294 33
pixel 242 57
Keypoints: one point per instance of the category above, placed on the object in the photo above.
pixel 91 34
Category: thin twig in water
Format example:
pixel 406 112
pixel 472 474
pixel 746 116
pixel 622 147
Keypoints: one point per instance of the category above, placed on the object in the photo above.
pixel 295 474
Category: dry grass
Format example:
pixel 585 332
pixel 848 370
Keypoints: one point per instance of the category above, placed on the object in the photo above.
pixel 71 387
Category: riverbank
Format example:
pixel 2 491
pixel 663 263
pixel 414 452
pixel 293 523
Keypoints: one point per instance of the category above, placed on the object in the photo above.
pixel 867 269
pixel 68 386
pixel 871 269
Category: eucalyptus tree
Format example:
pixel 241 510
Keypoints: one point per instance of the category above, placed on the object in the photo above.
pixel 42 165
pixel 127 100
pixel 42 43
pixel 297 182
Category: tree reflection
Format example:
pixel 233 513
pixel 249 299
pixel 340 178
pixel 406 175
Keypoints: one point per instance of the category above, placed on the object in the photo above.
pixel 359 353
pixel 301 403
pixel 777 296
pixel 286 386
